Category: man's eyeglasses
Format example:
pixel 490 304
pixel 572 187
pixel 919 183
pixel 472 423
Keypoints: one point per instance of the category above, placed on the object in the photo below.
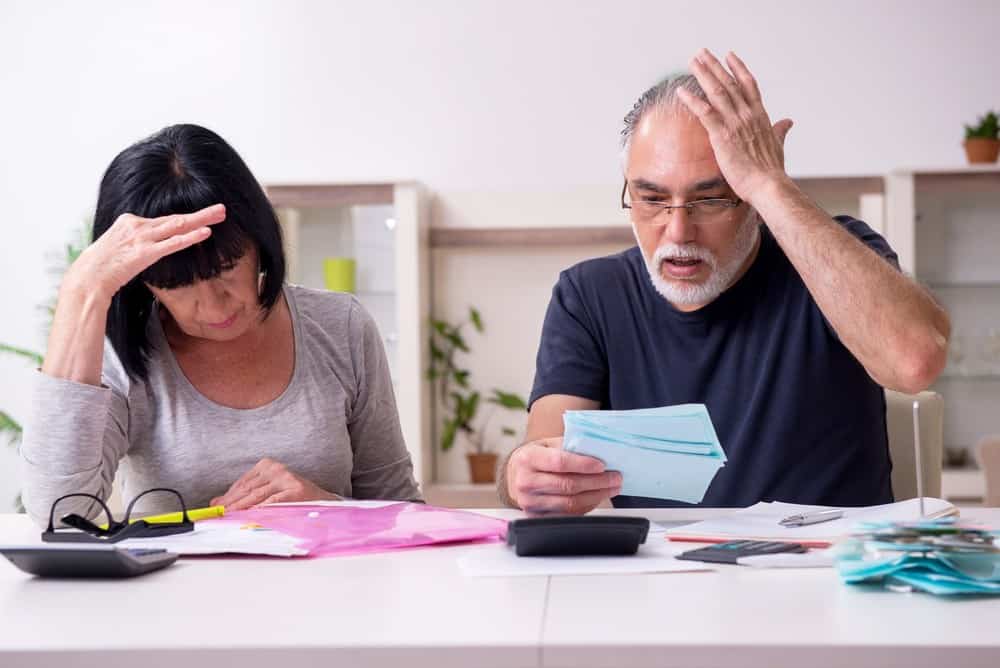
pixel 709 210
pixel 84 531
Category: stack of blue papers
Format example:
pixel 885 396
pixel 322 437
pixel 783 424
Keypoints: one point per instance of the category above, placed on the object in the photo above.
pixel 671 452
pixel 942 557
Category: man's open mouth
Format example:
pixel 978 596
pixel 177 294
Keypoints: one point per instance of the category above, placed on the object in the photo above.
pixel 681 267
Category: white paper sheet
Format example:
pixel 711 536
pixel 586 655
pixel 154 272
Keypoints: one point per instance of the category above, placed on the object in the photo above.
pixel 760 521
pixel 221 537
pixel 501 561
pixel 810 559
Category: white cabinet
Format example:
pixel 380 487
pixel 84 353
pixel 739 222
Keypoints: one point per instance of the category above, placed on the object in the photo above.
pixel 945 224
pixel 382 229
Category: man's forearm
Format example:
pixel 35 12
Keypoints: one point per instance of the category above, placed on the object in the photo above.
pixel 887 321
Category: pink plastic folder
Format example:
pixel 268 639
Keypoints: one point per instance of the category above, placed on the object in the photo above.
pixel 340 530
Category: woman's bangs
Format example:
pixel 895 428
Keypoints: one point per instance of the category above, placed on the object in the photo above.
pixel 205 260
pixel 218 253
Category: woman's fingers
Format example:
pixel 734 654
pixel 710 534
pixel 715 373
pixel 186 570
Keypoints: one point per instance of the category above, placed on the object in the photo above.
pixel 279 497
pixel 252 478
pixel 177 243
pixel 182 223
pixel 254 497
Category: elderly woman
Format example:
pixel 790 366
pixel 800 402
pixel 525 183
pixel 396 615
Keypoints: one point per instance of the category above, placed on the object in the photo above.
pixel 178 350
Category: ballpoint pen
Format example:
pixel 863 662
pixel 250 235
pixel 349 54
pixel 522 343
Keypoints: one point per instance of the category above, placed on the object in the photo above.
pixel 803 519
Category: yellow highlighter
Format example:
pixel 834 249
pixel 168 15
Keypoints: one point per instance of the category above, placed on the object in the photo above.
pixel 193 515
pixel 175 518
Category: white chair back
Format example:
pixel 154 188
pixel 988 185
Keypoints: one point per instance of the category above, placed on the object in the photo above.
pixel 899 424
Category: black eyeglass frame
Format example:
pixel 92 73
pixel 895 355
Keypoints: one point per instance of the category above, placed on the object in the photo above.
pixel 88 532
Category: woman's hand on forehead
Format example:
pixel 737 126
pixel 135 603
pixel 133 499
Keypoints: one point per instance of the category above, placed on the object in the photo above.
pixel 133 243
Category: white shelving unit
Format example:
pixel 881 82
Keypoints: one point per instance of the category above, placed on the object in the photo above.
pixel 384 227
pixel 945 225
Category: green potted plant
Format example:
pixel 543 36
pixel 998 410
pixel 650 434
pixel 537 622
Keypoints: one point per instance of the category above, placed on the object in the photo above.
pixel 461 402
pixel 982 141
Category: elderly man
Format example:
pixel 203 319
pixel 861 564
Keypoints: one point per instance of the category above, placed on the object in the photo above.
pixel 742 294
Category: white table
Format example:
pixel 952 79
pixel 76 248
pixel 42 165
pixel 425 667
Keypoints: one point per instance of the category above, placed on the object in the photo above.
pixel 414 608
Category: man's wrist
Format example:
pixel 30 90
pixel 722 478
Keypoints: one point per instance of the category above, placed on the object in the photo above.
pixel 502 479
pixel 777 194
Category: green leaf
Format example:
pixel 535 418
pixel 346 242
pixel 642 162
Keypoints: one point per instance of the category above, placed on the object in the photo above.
pixel 436 353
pixel 457 401
pixel 22 352
pixel 448 434
pixel 462 378
pixel 432 374
pixel 456 340
pixel 465 408
pixel 476 319
pixel 10 428
pixel 508 400
pixel 440 326
pixel 988 127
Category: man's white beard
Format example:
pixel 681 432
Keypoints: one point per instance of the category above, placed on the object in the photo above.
pixel 684 292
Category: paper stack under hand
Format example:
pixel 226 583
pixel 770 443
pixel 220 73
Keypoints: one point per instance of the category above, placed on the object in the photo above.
pixel 665 453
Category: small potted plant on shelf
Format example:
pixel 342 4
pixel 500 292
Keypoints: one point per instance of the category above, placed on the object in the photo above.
pixel 982 141
pixel 461 402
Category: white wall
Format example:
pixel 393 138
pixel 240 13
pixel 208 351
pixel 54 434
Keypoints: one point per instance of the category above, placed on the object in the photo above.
pixel 510 97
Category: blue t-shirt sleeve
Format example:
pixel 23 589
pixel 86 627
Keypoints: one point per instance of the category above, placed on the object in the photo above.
pixel 870 238
pixel 570 357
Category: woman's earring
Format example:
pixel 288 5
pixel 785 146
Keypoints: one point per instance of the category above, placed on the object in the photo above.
pixel 260 282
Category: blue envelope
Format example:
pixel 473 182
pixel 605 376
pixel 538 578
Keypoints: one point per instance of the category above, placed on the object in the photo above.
pixel 671 452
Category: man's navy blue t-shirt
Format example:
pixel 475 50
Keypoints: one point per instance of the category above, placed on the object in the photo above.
pixel 798 416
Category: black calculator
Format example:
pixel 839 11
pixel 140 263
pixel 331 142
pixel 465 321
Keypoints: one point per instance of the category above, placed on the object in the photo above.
pixel 728 553
pixel 99 562
pixel 583 535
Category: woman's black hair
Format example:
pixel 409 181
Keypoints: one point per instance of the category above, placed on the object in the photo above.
pixel 181 169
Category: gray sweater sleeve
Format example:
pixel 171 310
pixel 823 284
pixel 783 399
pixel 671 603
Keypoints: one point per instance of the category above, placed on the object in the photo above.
pixel 382 465
pixel 74 438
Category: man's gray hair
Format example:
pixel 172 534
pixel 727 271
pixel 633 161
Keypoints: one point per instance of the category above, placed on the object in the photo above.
pixel 662 96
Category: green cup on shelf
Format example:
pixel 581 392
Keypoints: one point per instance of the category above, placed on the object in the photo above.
pixel 339 273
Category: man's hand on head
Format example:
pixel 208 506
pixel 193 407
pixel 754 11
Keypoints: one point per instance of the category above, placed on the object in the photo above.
pixel 749 149
pixel 544 478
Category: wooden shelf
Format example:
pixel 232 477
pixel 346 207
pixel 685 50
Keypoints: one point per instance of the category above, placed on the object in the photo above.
pixel 459 237
pixel 307 196
pixel 824 187
pixel 958 181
